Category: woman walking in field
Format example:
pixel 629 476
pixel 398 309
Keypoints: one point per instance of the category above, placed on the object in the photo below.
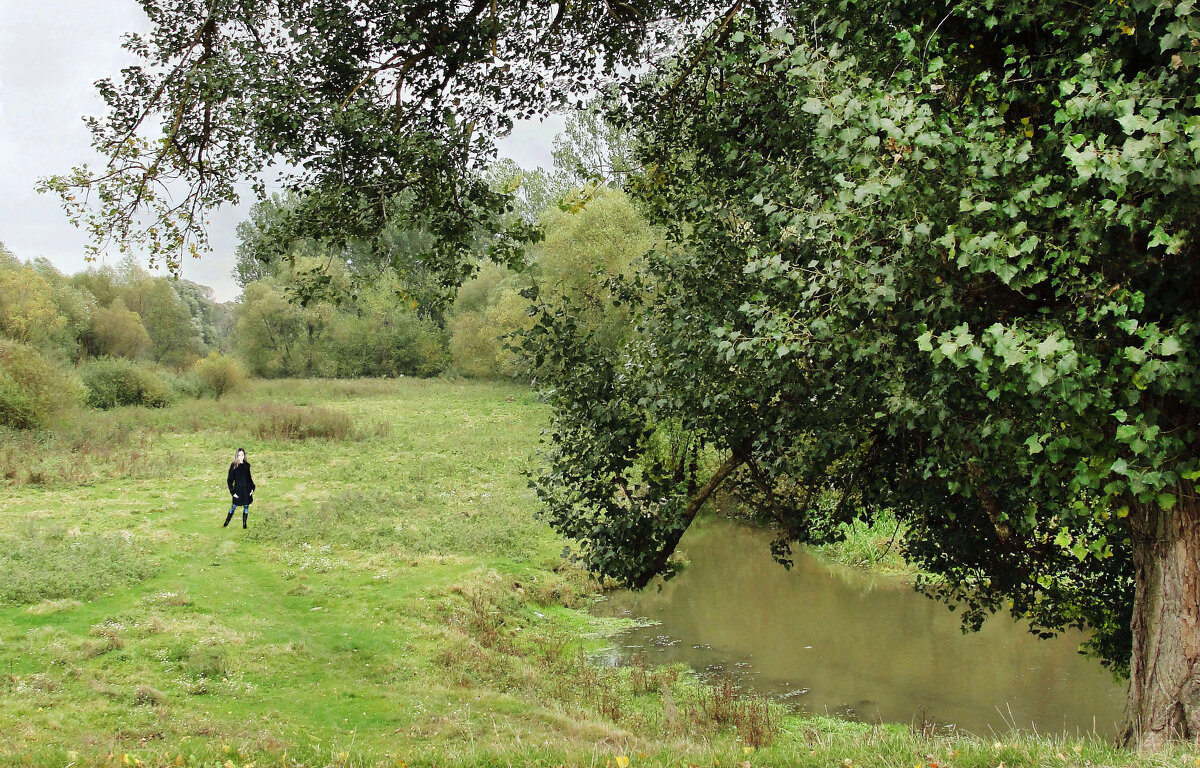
pixel 241 485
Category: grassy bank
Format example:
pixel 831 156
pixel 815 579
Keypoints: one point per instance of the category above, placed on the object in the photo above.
pixel 394 602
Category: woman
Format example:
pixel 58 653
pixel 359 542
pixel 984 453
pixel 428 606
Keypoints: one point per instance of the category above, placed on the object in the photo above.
pixel 241 485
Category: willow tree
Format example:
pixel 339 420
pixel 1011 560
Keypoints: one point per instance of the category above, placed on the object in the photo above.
pixel 941 259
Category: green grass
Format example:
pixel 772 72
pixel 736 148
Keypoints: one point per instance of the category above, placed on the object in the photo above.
pixel 394 602
pixel 876 545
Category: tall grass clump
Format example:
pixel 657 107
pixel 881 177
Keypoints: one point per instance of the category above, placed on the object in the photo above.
pixel 220 373
pixel 54 565
pixel 33 389
pixel 876 544
pixel 298 422
pixel 113 382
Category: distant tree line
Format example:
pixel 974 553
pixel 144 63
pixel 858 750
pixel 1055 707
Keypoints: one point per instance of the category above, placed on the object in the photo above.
pixel 104 337
pixel 375 308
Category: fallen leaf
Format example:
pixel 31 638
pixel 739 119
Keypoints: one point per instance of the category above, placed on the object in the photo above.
pixel 622 761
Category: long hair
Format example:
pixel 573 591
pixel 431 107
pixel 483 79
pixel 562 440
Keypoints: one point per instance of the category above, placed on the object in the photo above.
pixel 235 455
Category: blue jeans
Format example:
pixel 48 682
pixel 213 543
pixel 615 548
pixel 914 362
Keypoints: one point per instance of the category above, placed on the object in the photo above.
pixel 245 512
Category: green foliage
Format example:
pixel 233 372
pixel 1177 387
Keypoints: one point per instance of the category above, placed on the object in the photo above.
pixel 186 385
pixel 384 340
pixel 480 340
pixel 594 150
pixel 174 339
pixel 378 334
pixel 28 312
pixel 586 255
pixel 943 264
pixel 219 373
pixel 583 259
pixel 119 332
pixel 113 382
pixel 33 389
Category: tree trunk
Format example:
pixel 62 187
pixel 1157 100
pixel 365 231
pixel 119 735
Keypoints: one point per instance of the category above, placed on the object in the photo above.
pixel 1164 672
pixel 689 513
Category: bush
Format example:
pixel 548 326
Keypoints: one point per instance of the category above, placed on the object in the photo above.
pixel 479 340
pixel 220 373
pixel 112 382
pixel 33 389
pixel 390 341
pixel 187 385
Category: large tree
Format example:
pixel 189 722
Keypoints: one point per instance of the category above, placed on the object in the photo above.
pixel 935 258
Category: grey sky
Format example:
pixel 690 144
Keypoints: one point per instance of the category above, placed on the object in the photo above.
pixel 51 51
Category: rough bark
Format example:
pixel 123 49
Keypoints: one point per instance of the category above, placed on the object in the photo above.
pixel 1164 673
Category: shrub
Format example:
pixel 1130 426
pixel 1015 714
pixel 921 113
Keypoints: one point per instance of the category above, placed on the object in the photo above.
pixel 187 385
pixel 479 340
pixel 220 373
pixel 112 382
pixel 33 389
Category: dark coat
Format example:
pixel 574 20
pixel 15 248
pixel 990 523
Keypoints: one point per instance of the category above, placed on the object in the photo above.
pixel 241 483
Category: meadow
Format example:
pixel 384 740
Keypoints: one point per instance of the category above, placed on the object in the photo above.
pixel 394 601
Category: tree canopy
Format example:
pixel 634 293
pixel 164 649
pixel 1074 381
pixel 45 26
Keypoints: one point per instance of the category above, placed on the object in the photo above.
pixel 355 103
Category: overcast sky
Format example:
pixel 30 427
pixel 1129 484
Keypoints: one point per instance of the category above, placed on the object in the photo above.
pixel 51 51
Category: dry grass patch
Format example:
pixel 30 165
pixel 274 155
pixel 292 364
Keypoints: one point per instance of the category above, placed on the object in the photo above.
pixel 47 607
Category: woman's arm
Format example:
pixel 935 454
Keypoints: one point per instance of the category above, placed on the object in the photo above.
pixel 230 480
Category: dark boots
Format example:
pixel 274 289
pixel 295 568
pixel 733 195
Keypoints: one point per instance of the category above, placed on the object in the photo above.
pixel 227 519
pixel 243 518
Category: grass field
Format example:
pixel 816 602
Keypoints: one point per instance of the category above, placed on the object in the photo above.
pixel 394 602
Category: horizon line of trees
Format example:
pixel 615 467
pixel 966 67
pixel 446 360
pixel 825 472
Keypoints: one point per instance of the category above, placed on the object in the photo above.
pixel 109 336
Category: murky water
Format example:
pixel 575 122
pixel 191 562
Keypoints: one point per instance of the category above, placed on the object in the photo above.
pixel 836 640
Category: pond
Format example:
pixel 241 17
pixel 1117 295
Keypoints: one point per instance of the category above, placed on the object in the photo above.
pixel 836 640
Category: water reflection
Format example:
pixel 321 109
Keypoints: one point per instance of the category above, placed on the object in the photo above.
pixel 838 640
